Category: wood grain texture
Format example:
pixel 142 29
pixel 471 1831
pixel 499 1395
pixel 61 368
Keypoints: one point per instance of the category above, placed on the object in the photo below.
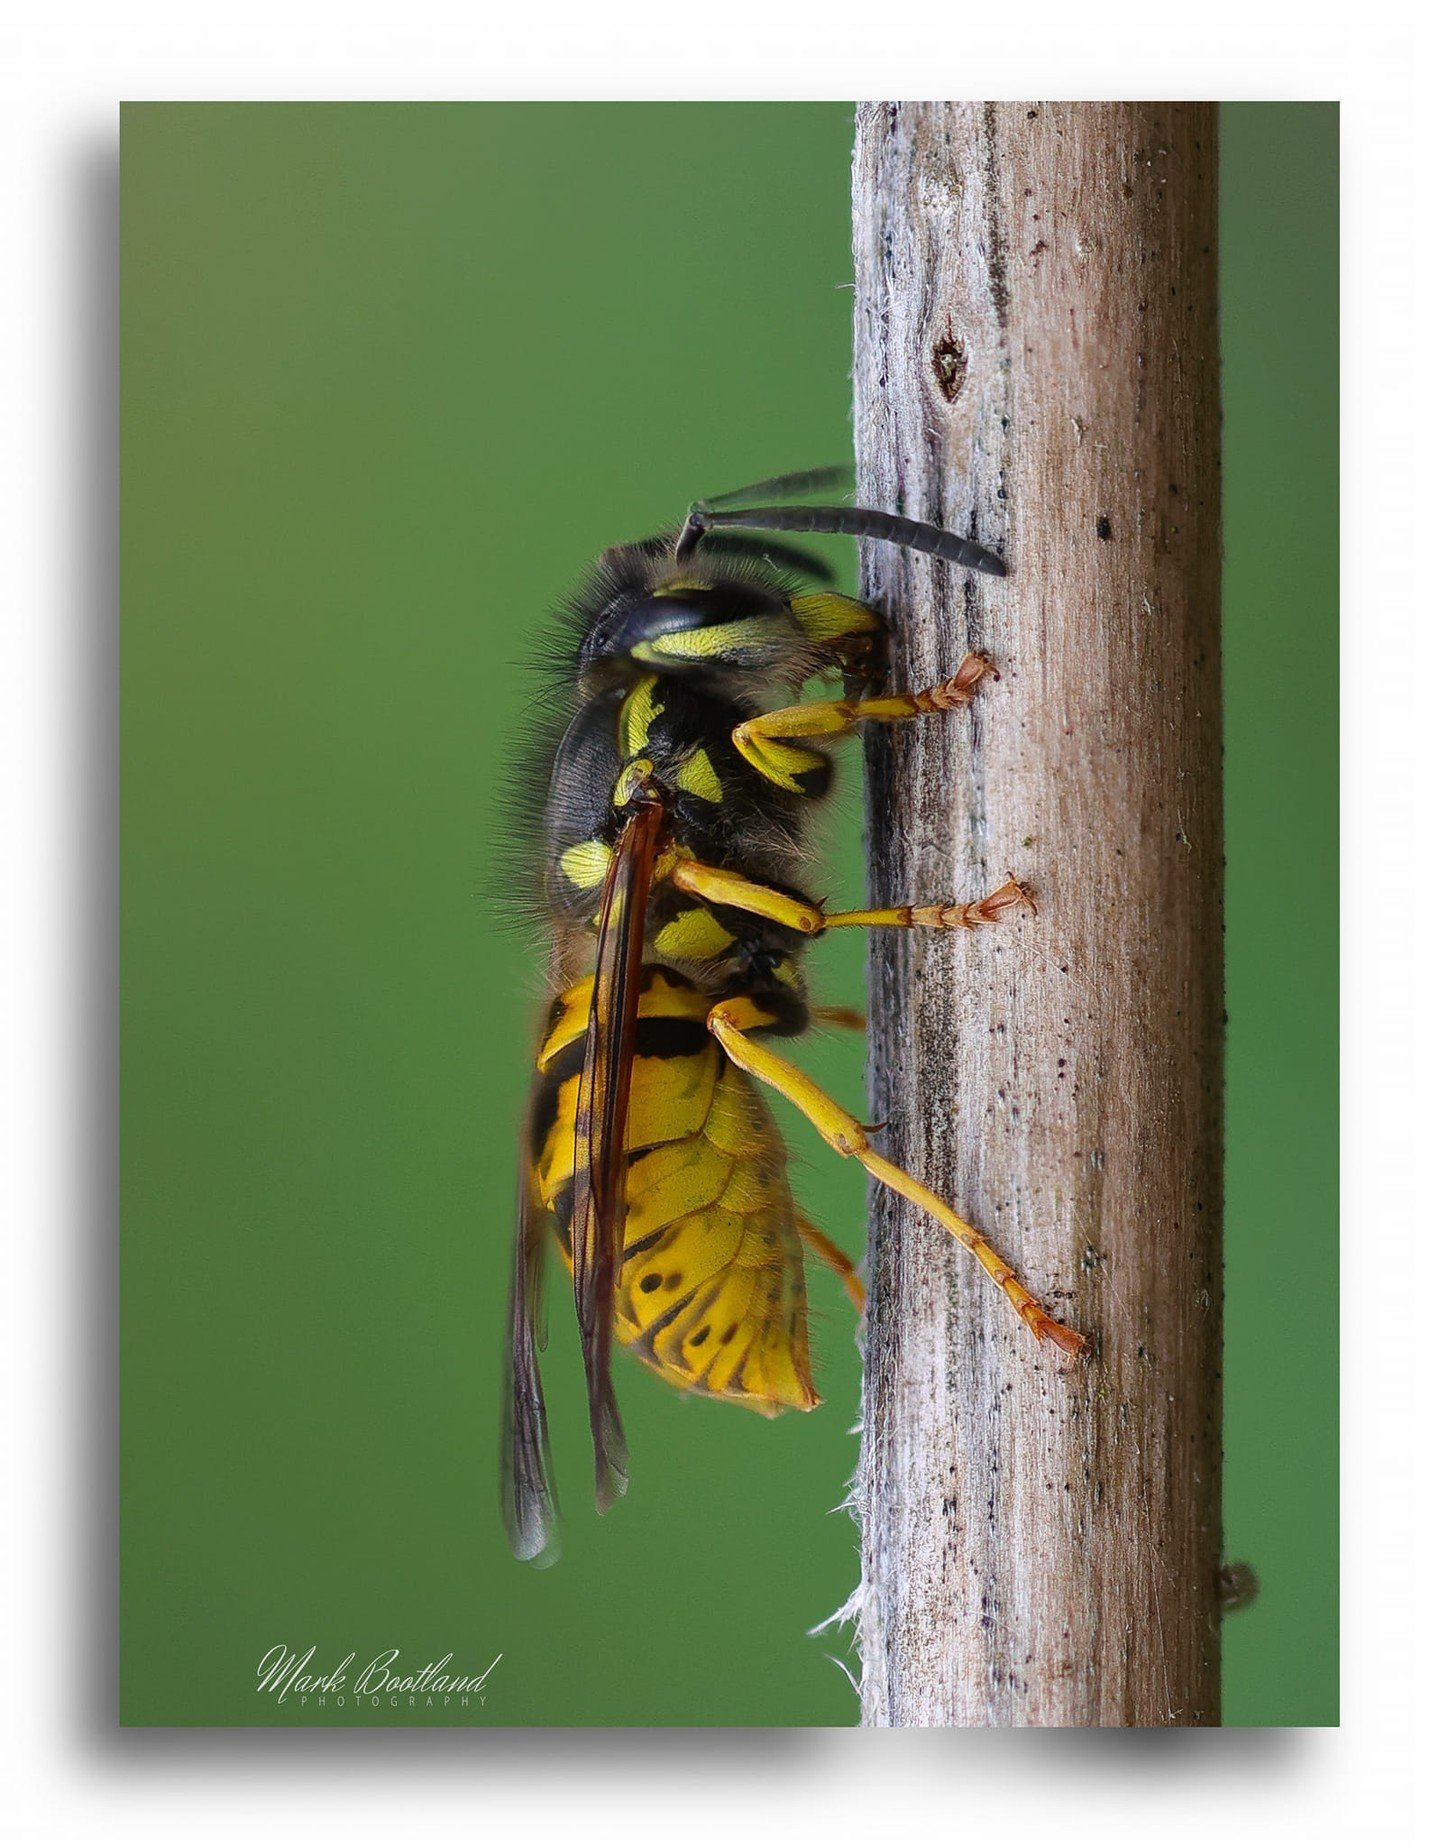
pixel 1037 368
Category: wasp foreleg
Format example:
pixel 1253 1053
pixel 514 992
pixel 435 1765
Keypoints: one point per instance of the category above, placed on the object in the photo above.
pixel 761 740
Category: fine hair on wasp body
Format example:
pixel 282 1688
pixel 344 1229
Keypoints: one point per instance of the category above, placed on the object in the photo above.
pixel 675 880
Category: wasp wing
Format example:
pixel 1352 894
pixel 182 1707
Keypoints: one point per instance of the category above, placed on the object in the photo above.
pixel 597 1211
pixel 527 1485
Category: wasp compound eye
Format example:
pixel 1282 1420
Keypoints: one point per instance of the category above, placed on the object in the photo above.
pixel 672 623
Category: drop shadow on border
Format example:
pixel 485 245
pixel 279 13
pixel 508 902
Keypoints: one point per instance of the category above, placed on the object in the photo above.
pixel 93 1644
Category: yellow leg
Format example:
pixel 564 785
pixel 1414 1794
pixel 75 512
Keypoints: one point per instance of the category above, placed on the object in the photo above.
pixel 941 916
pixel 846 1135
pixel 852 631
pixel 718 885
pixel 833 1257
pixel 826 616
pixel 761 740
pixel 849 1017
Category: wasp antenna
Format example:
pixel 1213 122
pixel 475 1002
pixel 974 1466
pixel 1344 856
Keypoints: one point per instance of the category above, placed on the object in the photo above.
pixel 856 522
pixel 786 487
pixel 781 557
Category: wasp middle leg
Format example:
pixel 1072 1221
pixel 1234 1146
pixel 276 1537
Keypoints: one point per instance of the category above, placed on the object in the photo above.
pixel 940 916
pixel 719 885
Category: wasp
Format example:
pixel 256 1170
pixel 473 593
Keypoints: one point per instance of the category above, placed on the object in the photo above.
pixel 679 797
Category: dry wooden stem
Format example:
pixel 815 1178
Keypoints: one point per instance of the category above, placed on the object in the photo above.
pixel 1037 368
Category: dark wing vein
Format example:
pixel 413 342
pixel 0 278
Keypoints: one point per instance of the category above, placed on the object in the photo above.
pixel 598 1207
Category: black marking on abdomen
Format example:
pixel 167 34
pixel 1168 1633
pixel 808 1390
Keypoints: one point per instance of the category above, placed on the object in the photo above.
pixel 565 1064
pixel 562 1209
pixel 658 1037
pixel 664 1036
pixel 657 1327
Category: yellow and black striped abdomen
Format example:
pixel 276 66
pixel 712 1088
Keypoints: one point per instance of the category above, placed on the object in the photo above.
pixel 710 1291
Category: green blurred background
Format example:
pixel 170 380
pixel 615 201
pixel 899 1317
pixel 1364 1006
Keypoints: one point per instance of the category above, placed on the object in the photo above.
pixel 391 374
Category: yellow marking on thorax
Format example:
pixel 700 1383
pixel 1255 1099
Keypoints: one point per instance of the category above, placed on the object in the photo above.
pixel 694 936
pixel 697 777
pixel 637 716
pixel 585 865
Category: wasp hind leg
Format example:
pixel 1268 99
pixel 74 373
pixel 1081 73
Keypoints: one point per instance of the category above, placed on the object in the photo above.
pixel 833 1258
pixel 850 1018
pixel 847 1135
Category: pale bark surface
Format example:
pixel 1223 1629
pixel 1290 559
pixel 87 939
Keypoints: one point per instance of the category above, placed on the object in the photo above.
pixel 1037 368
